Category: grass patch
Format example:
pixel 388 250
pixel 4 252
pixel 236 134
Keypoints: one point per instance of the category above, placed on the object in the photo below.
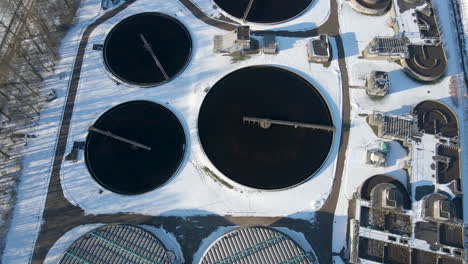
pixel 237 57
pixel 216 177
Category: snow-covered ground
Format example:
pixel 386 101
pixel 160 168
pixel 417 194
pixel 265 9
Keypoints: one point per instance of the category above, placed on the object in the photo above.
pixel 38 157
pixel 464 14
pixel 98 93
pixel 404 94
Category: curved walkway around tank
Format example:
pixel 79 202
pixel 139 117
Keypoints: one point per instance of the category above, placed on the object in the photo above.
pixel 60 216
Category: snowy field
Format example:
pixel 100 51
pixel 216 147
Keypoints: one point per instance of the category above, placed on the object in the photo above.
pixel 37 162
pixel 98 93
pixel 404 94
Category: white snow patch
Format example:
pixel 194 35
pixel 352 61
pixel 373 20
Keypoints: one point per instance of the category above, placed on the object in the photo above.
pixel 184 96
pixel 38 155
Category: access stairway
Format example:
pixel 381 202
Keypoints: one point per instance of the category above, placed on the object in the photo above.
pixel 399 127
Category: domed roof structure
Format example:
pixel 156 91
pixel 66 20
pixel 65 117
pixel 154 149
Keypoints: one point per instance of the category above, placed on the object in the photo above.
pixel 117 244
pixel 255 245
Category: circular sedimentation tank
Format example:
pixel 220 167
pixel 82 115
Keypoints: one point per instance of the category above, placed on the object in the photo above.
pixel 264 11
pixel 240 133
pixel 135 147
pixel 435 117
pixel 256 245
pixel 426 63
pixel 117 244
pixel 147 49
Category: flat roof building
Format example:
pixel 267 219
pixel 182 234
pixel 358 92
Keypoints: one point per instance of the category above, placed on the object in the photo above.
pixel 270 46
pixel 318 49
pixel 378 84
pixel 236 40
pixel 243 33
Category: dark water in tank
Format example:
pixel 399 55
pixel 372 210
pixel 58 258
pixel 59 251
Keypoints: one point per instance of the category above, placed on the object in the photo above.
pixel 265 11
pixel 127 58
pixel 123 168
pixel 272 158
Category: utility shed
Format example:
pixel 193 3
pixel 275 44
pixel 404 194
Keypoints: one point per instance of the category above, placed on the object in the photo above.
pixel 117 244
pixel 378 84
pixel 243 33
pixel 255 245
pixel 378 156
pixel 237 40
pixel 318 49
pixel 224 43
pixel 270 46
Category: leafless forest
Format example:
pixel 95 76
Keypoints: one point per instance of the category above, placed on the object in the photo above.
pixel 30 33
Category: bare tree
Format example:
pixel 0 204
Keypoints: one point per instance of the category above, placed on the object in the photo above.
pixel 30 32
